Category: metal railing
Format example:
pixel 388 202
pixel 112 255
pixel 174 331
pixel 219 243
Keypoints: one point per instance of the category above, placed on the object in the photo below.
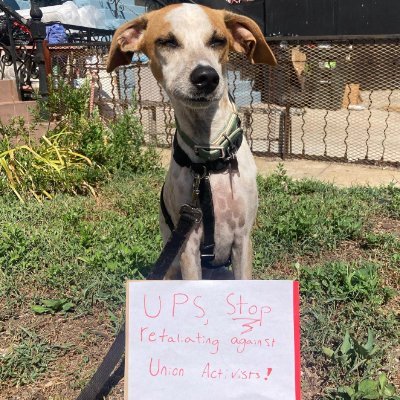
pixel 17 49
pixel 23 50
pixel 328 98
pixel 82 35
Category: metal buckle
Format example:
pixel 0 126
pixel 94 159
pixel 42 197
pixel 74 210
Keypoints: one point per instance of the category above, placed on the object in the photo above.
pixel 188 210
pixel 210 256
pixel 209 149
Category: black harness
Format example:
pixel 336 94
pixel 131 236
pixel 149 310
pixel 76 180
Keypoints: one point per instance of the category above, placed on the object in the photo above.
pixel 202 194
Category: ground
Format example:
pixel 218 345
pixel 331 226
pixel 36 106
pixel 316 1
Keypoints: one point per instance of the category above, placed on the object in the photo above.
pixel 343 245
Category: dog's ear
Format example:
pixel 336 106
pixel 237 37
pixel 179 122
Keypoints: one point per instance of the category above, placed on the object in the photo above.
pixel 127 39
pixel 247 38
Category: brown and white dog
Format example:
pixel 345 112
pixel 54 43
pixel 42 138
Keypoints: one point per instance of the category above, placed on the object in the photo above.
pixel 188 47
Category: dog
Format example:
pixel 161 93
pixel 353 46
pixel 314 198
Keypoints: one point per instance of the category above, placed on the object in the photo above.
pixel 188 47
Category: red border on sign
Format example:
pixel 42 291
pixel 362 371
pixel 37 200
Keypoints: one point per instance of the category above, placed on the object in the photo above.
pixel 296 324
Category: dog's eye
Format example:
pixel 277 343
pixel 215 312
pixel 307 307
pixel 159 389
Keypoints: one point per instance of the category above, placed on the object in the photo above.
pixel 217 41
pixel 169 41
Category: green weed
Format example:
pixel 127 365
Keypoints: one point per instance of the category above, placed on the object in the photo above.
pixel 26 361
pixel 383 241
pixel 379 389
pixel 340 281
pixel 52 306
pixel 64 100
pixel 352 355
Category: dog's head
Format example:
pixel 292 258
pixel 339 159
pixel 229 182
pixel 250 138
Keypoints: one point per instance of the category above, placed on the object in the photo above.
pixel 188 46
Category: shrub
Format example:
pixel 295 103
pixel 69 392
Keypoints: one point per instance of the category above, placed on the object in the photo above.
pixel 81 151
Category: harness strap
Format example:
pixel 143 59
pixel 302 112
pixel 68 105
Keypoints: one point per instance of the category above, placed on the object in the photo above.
pixel 207 207
pixel 189 217
pixel 206 200
pixel 165 213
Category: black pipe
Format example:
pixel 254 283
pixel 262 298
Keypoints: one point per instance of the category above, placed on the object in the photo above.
pixel 38 31
pixel 7 10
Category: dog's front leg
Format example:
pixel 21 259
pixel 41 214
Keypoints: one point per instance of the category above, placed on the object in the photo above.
pixel 190 260
pixel 242 258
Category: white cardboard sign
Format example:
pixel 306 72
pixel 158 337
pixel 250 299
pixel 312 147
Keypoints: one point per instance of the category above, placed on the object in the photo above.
pixel 223 340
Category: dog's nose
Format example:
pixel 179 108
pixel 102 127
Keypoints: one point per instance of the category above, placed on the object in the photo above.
pixel 205 78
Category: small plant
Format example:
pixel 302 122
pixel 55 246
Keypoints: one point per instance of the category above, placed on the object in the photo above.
pixel 351 354
pixel 384 241
pixel 31 357
pixel 53 306
pixel 65 100
pixel 340 281
pixel 367 389
pixel 39 169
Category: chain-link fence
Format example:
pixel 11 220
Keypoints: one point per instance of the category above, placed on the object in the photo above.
pixel 336 99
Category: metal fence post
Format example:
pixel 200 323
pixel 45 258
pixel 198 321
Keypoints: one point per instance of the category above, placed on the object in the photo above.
pixel 38 30
pixel 13 54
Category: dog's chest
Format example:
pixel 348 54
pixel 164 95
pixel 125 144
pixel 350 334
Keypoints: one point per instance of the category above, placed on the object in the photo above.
pixel 234 194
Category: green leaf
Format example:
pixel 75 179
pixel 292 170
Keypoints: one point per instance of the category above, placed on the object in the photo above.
pixel 369 388
pixel 39 309
pixel 55 305
pixel 329 352
pixel 360 350
pixel 68 306
pixel 369 346
pixel 372 396
pixel 346 389
pixel 346 345
pixel 346 392
pixel 389 390
pixel 382 379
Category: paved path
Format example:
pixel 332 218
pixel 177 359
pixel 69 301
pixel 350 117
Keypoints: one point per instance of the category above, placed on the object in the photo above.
pixel 344 175
pixel 340 174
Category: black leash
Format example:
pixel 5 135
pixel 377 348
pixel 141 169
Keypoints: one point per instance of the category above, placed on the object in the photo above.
pixel 94 390
pixel 189 217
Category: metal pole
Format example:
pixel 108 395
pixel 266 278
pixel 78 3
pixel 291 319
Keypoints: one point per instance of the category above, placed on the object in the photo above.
pixel 38 31
pixel 7 10
pixel 13 54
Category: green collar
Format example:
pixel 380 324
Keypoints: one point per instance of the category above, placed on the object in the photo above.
pixel 224 147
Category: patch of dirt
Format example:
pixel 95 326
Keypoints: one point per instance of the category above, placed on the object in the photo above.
pixel 87 339
pixel 347 251
pixel 104 203
pixel 387 225
pixel 311 383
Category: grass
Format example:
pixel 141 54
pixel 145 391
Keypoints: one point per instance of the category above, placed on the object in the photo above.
pixel 66 261
pixel 28 359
